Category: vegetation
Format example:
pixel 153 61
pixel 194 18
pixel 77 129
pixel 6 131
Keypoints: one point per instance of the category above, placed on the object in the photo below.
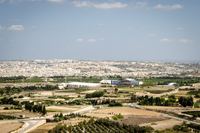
pixel 95 94
pixel 7 117
pixel 35 107
pixel 8 100
pixel 60 117
pixel 181 81
pixel 158 101
pixel 193 113
pixel 159 91
pixel 197 104
pixel 20 79
pixel 170 101
pixel 14 90
pixel 117 116
pixel 184 128
pixel 187 128
pixel 196 93
pixel 93 79
pixel 186 101
pixel 100 126
pixel 114 103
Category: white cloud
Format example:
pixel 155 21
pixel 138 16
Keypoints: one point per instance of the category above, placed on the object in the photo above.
pixel 89 40
pixel 14 1
pixel 16 28
pixel 172 7
pixel 104 5
pixel 165 40
pixel 184 40
pixel 92 40
pixel 56 1
pixel 176 40
pixel 80 40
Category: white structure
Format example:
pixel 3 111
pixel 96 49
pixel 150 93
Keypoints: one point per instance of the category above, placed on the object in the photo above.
pixel 109 82
pixel 141 82
pixel 79 85
pixel 172 84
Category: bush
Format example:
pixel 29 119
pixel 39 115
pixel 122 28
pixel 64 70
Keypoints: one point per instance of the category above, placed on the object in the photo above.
pixel 186 101
pixel 111 104
pixel 95 94
pixel 117 116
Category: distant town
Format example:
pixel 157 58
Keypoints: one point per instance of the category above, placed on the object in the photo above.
pixel 48 68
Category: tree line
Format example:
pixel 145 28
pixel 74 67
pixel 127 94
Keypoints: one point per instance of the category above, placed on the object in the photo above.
pixel 15 90
pixel 31 106
pixel 169 101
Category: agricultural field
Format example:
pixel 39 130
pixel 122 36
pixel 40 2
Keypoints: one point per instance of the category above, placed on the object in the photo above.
pixel 9 126
pixel 133 107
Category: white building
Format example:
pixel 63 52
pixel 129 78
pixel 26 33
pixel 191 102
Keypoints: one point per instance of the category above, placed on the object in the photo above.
pixel 79 85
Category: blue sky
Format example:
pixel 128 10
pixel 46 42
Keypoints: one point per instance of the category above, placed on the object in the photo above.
pixel 150 30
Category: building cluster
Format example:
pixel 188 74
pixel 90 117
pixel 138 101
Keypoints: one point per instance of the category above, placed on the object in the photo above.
pixel 47 68
pixel 127 82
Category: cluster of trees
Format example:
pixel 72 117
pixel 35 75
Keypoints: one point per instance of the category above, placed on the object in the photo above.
pixel 196 93
pixel 7 117
pixel 100 126
pixel 181 81
pixel 20 79
pixel 95 94
pixel 35 107
pixel 15 90
pixel 193 113
pixel 40 108
pixel 60 117
pixel 10 90
pixel 186 101
pixel 93 79
pixel 170 101
pixel 105 101
pixel 114 103
pixel 9 100
pixel 46 87
pixel 12 79
pixel 158 101
pixel 187 128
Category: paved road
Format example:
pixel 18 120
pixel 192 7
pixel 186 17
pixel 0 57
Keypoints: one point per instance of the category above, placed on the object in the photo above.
pixel 32 123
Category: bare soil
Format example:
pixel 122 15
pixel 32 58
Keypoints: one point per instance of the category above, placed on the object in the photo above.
pixel 8 126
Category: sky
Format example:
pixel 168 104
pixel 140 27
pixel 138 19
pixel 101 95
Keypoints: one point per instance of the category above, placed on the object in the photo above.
pixel 135 30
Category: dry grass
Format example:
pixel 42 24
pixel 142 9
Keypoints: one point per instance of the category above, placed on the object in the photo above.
pixel 171 109
pixel 132 116
pixel 48 126
pixel 17 113
pixel 63 108
pixel 110 111
pixel 165 124
pixel 44 128
pixel 8 126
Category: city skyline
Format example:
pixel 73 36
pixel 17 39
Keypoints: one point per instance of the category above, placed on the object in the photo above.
pixel 100 30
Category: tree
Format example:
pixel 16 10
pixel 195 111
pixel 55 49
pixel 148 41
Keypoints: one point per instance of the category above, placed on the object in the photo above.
pixel 44 111
pixel 186 101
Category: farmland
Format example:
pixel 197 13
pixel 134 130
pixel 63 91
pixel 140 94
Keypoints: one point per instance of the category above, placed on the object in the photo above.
pixel 154 106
